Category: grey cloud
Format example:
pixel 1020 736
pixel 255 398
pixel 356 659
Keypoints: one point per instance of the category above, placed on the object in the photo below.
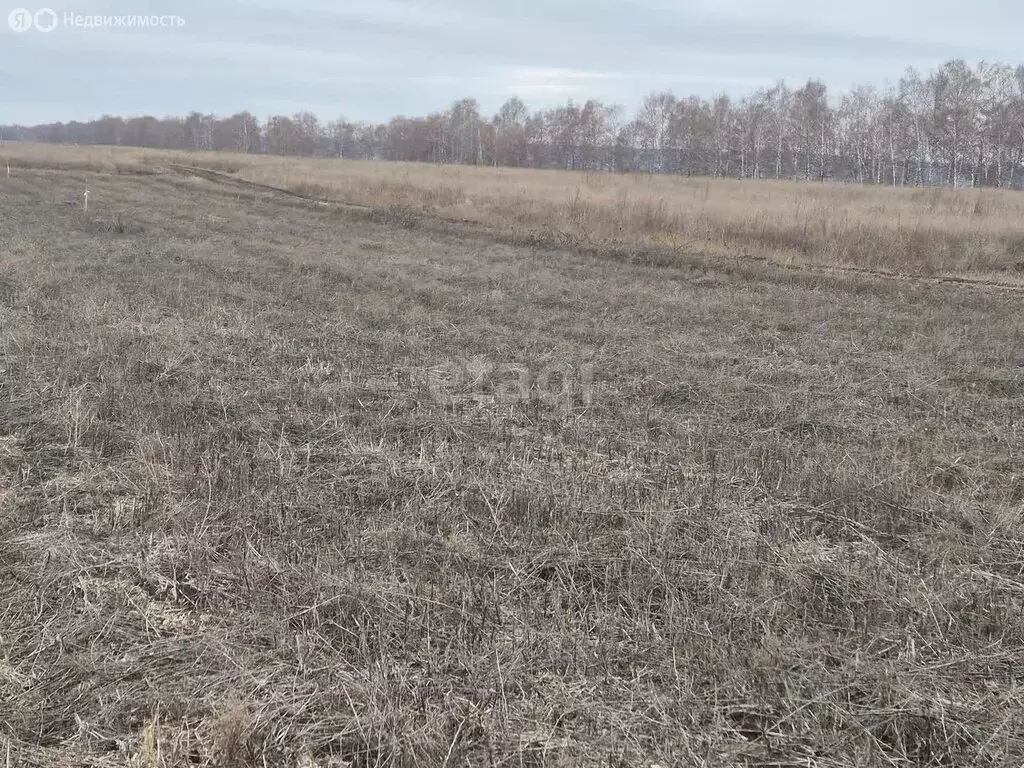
pixel 375 58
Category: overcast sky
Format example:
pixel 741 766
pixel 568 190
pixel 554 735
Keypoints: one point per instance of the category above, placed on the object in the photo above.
pixel 372 59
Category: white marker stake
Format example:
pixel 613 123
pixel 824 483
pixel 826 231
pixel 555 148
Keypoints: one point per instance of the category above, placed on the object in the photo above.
pixel 87 201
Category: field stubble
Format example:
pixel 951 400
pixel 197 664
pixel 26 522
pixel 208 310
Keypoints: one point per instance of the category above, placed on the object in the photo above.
pixel 240 526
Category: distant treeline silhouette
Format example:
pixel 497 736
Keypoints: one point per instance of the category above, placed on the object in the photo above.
pixel 959 124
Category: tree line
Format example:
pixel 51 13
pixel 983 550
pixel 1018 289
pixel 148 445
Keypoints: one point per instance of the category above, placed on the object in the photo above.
pixel 956 125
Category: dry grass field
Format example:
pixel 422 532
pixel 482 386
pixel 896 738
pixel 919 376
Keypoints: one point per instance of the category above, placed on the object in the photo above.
pixel 292 484
pixel 904 231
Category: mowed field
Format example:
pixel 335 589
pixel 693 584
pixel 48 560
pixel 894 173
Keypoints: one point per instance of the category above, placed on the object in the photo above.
pixel 286 483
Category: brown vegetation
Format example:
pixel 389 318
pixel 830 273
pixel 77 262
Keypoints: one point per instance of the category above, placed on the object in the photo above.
pixel 239 526
pixel 932 231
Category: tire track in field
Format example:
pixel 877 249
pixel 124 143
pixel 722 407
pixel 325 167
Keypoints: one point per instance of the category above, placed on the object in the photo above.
pixel 218 177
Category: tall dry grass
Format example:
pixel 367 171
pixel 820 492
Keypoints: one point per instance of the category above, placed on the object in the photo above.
pixel 915 231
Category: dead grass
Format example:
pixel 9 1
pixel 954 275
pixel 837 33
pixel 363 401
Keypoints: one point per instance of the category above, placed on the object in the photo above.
pixel 238 525
pixel 905 231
